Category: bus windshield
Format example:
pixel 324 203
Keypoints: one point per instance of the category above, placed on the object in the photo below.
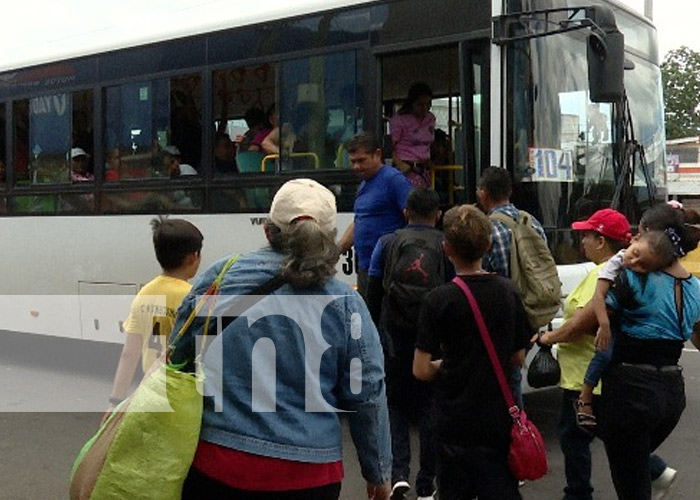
pixel 560 144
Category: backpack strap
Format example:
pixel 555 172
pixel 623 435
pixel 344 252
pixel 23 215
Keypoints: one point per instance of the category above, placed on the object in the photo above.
pixel 514 268
pixel 523 218
pixel 506 219
pixel 258 293
pixel 208 299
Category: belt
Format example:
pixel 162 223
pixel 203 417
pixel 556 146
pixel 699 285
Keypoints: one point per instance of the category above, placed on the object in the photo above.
pixel 653 368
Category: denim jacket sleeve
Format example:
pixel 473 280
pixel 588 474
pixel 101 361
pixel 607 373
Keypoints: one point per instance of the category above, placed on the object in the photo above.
pixel 362 393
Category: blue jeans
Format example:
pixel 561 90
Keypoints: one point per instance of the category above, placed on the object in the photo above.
pixel 515 382
pixel 598 365
pixel 575 444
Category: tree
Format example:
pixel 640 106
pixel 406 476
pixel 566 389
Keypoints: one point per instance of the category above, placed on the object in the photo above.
pixel 680 73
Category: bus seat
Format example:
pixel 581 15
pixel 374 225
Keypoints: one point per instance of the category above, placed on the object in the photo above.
pixel 249 161
pixel 252 161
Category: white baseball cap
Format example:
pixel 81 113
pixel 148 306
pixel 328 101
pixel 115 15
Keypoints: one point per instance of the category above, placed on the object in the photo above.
pixel 77 152
pixel 304 198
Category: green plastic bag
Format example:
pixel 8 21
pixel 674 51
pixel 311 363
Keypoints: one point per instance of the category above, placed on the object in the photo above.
pixel 146 447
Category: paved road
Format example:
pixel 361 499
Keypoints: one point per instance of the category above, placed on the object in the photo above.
pixel 37 447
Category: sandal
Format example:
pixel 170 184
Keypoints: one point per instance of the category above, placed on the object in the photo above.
pixel 586 421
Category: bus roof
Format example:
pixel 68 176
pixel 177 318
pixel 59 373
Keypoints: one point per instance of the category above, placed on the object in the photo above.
pixel 42 32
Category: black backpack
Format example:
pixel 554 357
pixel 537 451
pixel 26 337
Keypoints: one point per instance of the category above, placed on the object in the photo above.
pixel 414 264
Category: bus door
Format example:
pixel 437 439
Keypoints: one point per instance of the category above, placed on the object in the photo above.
pixel 455 155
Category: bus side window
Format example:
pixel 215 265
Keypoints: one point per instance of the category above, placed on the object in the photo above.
pixel 143 118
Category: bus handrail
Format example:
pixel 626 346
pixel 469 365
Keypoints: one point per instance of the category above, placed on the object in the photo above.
pixel 273 157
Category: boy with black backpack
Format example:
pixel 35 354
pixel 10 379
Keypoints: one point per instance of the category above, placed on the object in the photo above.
pixel 405 265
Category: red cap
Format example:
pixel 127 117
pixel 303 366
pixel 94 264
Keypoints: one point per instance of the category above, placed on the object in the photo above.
pixel 608 222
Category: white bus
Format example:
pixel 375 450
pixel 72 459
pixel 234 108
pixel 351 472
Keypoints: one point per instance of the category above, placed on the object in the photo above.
pixel 511 86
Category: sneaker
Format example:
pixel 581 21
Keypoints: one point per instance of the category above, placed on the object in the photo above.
pixel 662 484
pixel 399 490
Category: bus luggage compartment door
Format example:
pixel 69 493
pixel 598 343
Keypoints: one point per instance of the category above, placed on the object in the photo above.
pixel 103 309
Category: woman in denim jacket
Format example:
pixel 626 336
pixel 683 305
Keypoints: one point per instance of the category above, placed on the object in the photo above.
pixel 290 357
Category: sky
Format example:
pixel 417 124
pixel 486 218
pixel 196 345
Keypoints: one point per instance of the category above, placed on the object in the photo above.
pixel 676 22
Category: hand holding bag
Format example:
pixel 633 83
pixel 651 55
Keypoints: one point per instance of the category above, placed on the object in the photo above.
pixel 544 369
pixel 145 448
pixel 527 457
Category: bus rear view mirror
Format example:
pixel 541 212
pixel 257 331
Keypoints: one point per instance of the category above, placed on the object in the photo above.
pixel 606 63
pixel 606 56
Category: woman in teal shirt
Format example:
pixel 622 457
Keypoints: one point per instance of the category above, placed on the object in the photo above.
pixel 643 389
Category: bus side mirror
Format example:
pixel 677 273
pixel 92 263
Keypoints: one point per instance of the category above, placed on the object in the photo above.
pixel 606 63
pixel 606 56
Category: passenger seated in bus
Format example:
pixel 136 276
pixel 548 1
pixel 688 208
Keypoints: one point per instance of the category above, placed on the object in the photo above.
pixel 79 166
pixel 224 155
pixel 172 163
pixel 178 246
pixel 113 165
pixel 269 140
pixel 171 159
pixel 258 128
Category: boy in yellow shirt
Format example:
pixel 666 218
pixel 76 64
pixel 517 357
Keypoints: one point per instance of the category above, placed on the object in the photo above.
pixel 178 246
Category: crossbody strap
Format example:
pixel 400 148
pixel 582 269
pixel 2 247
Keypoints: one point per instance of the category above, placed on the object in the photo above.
pixel 479 318
pixel 208 297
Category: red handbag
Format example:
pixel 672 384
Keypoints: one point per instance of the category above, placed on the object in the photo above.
pixel 527 457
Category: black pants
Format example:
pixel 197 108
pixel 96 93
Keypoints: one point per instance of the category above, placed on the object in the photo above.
pixel 468 472
pixel 639 409
pixel 199 486
pixel 575 444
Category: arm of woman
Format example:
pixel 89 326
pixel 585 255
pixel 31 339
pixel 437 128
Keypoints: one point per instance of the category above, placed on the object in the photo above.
pixel 396 129
pixel 583 322
pixel 368 416
pixel 399 163
pixel 270 144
